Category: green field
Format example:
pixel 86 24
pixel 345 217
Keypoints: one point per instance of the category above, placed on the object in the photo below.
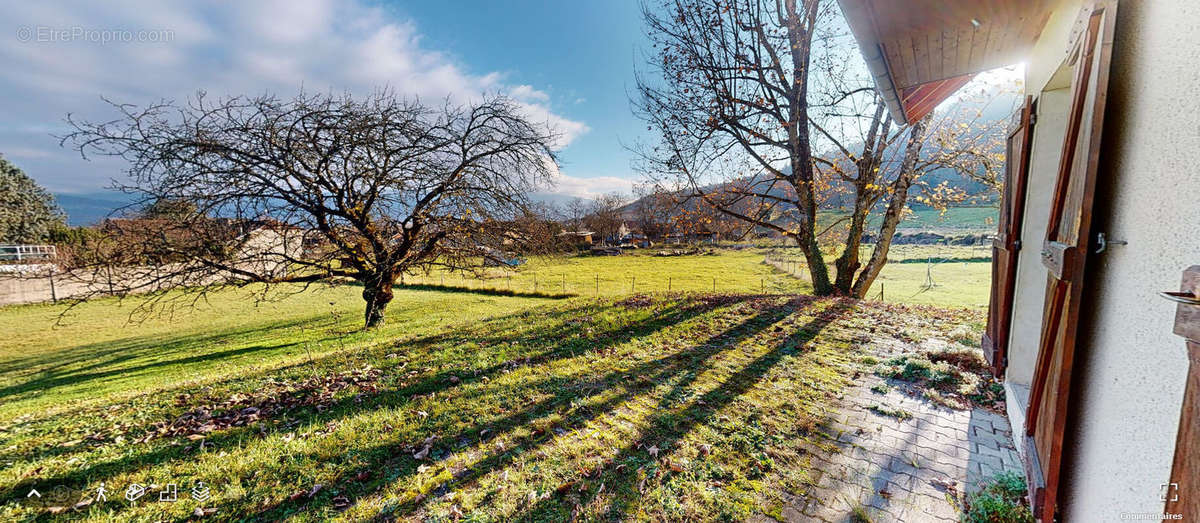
pixel 740 271
pixel 955 220
pixel 468 401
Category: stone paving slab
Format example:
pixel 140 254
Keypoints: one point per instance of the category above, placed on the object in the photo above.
pixel 915 469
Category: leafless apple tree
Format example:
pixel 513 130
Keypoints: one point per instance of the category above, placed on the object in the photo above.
pixel 317 188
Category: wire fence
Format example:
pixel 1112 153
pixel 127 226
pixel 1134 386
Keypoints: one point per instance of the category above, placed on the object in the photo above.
pixel 579 283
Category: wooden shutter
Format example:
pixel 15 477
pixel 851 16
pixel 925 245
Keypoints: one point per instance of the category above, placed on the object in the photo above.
pixel 1008 239
pixel 1182 491
pixel 1064 253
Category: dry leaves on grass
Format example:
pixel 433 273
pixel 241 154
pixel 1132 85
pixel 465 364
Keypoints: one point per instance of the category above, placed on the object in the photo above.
pixel 244 409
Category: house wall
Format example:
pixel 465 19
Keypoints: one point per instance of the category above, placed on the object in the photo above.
pixel 1132 369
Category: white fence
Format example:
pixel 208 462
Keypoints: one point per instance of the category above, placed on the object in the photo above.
pixel 24 253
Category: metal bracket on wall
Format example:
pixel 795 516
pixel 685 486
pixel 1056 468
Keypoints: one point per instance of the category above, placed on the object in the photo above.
pixel 1102 243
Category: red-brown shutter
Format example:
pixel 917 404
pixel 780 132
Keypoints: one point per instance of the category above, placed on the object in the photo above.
pixel 1064 253
pixel 1008 239
pixel 1182 491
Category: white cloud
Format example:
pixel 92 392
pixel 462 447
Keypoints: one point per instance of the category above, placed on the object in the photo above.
pixel 588 187
pixel 527 93
pixel 224 48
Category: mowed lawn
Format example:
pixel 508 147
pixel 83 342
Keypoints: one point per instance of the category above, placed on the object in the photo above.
pixel 955 284
pixel 670 406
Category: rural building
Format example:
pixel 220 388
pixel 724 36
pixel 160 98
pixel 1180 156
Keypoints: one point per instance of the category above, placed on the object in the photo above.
pixel 576 238
pixel 1098 217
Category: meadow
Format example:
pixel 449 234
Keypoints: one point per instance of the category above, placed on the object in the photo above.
pixel 955 283
pixel 499 398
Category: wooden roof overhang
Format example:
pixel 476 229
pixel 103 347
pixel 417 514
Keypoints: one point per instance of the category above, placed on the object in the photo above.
pixel 922 51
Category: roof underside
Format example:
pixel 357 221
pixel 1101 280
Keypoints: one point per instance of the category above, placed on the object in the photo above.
pixel 922 51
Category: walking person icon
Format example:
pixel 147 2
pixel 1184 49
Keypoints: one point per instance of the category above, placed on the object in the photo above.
pixel 101 493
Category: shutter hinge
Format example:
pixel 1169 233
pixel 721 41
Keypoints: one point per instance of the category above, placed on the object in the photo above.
pixel 1016 245
pixel 1032 118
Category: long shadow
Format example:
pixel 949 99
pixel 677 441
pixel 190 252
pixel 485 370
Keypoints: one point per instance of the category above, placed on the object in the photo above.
pixel 74 378
pixel 635 379
pixel 485 291
pixel 166 452
pixel 668 427
pixel 113 352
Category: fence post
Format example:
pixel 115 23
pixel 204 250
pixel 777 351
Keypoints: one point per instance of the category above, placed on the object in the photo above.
pixel 762 285
pixel 564 284
pixel 714 284
pixel 535 283
pixel 53 292
pixel 668 284
pixel 632 284
pixel 597 285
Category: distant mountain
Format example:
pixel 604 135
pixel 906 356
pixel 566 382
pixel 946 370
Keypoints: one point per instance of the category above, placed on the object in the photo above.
pixel 554 199
pixel 999 107
pixel 90 208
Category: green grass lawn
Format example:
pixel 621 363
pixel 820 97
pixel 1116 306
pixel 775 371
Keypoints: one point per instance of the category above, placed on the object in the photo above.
pixel 688 405
pixel 740 271
pixel 682 406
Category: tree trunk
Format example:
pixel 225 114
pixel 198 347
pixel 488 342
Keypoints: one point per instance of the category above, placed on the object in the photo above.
pixel 377 292
pixel 817 270
pixel 847 264
pixel 895 210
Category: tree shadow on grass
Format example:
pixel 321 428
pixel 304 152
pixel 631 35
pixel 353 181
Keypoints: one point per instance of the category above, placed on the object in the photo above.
pixel 670 426
pixel 484 291
pixel 164 451
pixel 111 355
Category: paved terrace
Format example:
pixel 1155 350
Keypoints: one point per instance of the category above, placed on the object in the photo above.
pixel 915 469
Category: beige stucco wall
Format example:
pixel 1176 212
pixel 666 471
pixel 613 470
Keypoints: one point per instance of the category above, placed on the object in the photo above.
pixel 1130 368
pixel 1133 370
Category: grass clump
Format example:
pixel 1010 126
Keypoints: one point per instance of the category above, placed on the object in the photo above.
pixel 891 412
pixel 955 377
pixel 1001 500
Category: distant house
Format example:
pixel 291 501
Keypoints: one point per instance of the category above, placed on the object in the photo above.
pixel 1099 214
pixel 262 245
pixel 576 238
pixel 694 236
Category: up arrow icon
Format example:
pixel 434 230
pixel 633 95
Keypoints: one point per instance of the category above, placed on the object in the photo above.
pixel 33 493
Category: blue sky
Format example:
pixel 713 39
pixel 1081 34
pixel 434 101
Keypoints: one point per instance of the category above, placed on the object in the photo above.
pixel 569 63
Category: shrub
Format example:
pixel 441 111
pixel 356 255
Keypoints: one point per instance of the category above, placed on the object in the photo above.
pixel 1001 500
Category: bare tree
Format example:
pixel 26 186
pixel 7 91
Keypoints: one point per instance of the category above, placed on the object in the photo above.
pixel 731 95
pixel 760 114
pixel 319 188
pixel 605 217
pixel 653 209
pixel 574 211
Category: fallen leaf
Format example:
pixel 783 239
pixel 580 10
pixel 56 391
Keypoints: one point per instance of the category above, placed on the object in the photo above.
pixel 705 449
pixel 316 488
pixel 201 512
pixel 653 450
